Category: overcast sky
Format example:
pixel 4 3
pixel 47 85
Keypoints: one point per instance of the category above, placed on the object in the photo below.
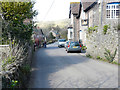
pixel 51 10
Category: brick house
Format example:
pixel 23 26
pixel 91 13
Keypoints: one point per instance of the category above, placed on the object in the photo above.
pixel 100 13
pixel 74 14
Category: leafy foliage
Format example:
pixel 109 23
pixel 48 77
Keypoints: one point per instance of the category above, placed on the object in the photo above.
pixel 98 57
pixel 13 83
pixel 84 47
pixel 25 69
pixel 117 27
pixel 110 57
pixel 14 16
pixel 105 28
pixel 92 29
pixel 50 37
pixel 88 55
pixel 63 34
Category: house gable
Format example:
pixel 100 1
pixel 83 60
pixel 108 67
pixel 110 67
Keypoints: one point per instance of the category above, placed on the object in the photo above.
pixel 75 9
pixel 87 5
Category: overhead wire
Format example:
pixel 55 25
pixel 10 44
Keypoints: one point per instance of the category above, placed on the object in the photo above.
pixel 48 10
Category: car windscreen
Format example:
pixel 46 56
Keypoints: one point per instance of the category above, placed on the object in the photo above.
pixel 75 44
pixel 62 40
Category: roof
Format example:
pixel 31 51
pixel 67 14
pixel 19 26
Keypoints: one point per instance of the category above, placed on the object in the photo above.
pixel 113 3
pixel 88 4
pixel 75 8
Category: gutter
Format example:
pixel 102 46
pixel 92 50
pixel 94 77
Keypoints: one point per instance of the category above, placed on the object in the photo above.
pixel 88 8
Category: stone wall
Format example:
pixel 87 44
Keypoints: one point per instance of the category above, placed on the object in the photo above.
pixel 14 71
pixel 96 42
pixel 4 50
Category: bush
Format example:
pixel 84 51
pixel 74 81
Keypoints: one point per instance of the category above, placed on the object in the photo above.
pixel 13 83
pixel 88 55
pixel 92 29
pixel 98 57
pixel 105 28
pixel 25 69
pixel 118 27
pixel 84 47
pixel 110 57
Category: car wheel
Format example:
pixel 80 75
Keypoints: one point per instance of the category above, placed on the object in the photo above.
pixel 80 51
pixel 68 51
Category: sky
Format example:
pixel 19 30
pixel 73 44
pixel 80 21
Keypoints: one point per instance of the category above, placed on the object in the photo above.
pixel 52 10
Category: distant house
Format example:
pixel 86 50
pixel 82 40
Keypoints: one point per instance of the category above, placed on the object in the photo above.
pixel 55 33
pixel 38 33
pixel 74 15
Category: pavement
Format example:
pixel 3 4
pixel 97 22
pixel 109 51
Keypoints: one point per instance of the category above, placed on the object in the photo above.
pixel 53 67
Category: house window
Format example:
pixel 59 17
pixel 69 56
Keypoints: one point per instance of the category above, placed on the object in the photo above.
pixel 113 10
pixel 71 35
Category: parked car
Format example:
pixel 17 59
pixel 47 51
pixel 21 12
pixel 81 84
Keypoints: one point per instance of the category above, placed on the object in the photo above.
pixel 74 46
pixel 61 42
pixel 67 43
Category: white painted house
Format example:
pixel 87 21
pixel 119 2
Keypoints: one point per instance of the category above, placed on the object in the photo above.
pixel 70 33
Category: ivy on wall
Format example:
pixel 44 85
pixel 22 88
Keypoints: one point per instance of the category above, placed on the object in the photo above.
pixel 117 27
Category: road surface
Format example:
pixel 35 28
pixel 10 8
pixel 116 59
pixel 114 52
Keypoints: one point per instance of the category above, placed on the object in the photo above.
pixel 53 67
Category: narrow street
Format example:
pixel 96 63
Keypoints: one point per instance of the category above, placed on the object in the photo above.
pixel 53 67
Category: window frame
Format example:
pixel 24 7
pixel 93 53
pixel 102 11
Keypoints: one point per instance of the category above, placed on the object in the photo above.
pixel 111 9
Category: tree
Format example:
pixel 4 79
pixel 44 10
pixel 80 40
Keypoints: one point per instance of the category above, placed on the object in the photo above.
pixel 51 37
pixel 14 15
pixel 63 34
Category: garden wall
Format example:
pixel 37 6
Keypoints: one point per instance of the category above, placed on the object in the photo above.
pixel 97 42
pixel 15 71
pixel 4 50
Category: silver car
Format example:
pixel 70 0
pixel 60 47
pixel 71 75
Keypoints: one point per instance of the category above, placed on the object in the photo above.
pixel 61 42
pixel 74 46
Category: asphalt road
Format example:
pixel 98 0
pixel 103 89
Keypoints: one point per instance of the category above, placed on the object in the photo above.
pixel 53 67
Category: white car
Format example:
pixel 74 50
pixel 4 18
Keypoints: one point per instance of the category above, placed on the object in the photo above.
pixel 61 42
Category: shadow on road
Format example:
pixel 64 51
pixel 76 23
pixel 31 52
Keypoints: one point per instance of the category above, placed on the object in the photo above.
pixel 52 60
pixel 49 60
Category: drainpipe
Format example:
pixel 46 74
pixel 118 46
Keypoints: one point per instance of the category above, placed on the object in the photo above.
pixel 101 11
